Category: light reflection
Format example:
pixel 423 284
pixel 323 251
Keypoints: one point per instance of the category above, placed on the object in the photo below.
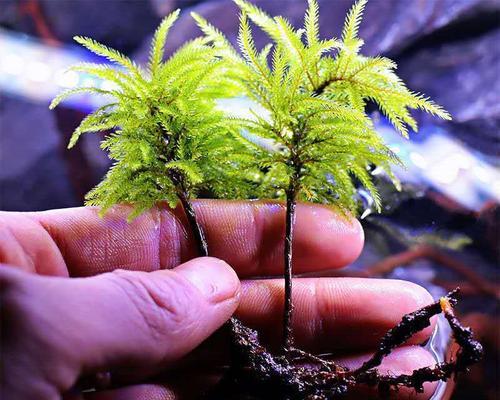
pixel 67 79
pixel 418 159
pixel 38 71
pixel 12 64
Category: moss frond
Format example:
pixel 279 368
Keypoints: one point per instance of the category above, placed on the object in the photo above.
pixel 352 23
pixel 315 92
pixel 165 131
pixel 70 92
pixel 159 39
pixel 311 23
pixel 109 53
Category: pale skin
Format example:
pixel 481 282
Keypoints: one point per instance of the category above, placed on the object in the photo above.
pixel 81 295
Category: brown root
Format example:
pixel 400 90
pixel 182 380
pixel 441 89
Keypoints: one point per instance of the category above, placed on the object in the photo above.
pixel 259 374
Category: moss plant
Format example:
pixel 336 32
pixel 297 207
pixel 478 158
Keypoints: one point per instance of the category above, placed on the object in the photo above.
pixel 169 141
pixel 315 92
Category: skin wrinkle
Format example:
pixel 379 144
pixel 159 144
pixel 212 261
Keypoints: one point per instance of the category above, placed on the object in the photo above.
pixel 147 302
pixel 234 228
pixel 271 246
pixel 215 214
pixel 186 308
pixel 57 248
pixel 31 242
pixel 147 305
pixel 263 299
pixel 105 250
pixel 405 303
pixel 119 237
pixel 135 333
pixel 157 221
pixel 179 316
pixel 318 323
pixel 310 318
pixel 147 242
pixel 252 227
pixel 185 239
pixel 274 233
pixel 258 232
pixel 11 257
pixel 328 312
pixel 170 239
pixel 178 236
pixel 29 258
pixel 173 236
pixel 162 256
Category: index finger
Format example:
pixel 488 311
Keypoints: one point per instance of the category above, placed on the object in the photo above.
pixel 246 234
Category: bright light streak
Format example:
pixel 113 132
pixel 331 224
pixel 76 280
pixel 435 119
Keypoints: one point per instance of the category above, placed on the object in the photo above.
pixel 88 82
pixel 482 174
pixel 38 71
pixel 67 79
pixel 461 160
pixel 33 70
pixel 12 64
pixel 444 173
pixel 496 188
pixel 108 85
pixel 418 159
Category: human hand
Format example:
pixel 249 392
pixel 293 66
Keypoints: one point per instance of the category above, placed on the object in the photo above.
pixel 135 305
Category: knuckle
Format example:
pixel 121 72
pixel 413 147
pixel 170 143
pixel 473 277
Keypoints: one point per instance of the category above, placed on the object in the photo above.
pixel 166 307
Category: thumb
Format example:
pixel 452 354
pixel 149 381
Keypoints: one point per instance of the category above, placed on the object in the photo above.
pixel 132 322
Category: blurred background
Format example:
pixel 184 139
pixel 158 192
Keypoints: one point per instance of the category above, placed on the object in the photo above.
pixel 440 231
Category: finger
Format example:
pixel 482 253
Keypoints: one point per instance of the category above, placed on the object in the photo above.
pixel 339 315
pixel 332 314
pixel 134 322
pixel 403 360
pixel 248 235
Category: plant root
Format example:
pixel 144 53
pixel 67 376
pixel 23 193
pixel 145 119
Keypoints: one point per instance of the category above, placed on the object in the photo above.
pixel 258 374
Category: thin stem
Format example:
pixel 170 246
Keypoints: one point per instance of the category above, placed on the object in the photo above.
pixel 196 229
pixel 291 200
pixel 199 235
pixel 182 192
pixel 322 87
pixel 288 270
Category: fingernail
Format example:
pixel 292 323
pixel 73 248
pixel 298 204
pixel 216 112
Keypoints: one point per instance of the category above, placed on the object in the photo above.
pixel 214 278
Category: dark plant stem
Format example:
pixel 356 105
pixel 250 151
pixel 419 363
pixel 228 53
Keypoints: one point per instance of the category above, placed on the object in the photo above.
pixel 288 258
pixel 182 191
pixel 291 202
pixel 318 91
pixel 196 229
